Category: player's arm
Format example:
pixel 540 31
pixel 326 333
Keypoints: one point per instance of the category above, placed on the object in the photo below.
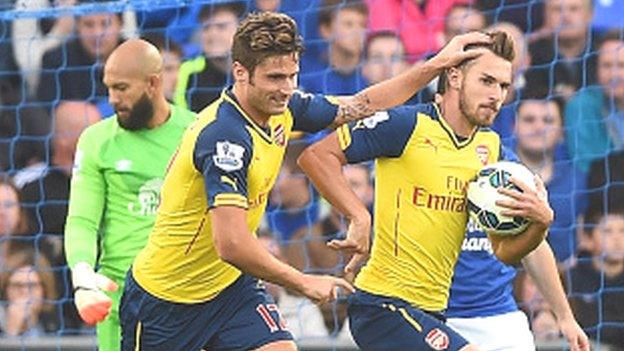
pixel 541 266
pixel 532 205
pixel 223 155
pixel 236 245
pixel 383 135
pixel 322 163
pixel 397 90
pixel 86 205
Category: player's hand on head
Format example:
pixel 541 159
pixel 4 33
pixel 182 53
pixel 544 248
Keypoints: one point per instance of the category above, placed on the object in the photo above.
pixel 454 53
pixel 324 288
pixel 92 303
pixel 576 337
pixel 529 203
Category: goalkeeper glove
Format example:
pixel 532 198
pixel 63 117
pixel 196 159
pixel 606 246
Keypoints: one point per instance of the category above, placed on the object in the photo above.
pixel 92 304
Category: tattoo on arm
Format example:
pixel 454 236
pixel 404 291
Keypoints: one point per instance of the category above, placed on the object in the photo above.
pixel 353 109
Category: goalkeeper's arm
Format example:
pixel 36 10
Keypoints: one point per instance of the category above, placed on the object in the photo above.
pixel 86 205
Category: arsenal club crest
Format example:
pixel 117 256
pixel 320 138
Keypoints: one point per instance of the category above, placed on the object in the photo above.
pixel 483 153
pixel 437 339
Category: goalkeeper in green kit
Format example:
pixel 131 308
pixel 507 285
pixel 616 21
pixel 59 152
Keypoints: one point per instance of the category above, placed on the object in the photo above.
pixel 119 166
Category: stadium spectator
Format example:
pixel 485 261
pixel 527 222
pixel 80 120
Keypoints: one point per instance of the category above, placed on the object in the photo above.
pixel 293 209
pixel 420 23
pixel 527 15
pixel 272 246
pixel 384 57
pixel 594 117
pixel 73 71
pixel 539 133
pixel 462 18
pixel 32 37
pixel 292 212
pixel 172 59
pixel 302 317
pixel 24 129
pixel 343 25
pixel 47 195
pixel 202 79
pixel 504 123
pixel 562 60
pixel 14 223
pixel 605 180
pixel 27 295
pixel 334 226
pixel 596 281
pixel 267 5
pixel 533 302
pixel 115 186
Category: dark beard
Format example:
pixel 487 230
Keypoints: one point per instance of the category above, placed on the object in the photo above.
pixel 141 114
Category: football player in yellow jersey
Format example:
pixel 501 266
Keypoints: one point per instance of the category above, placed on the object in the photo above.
pixel 425 156
pixel 195 284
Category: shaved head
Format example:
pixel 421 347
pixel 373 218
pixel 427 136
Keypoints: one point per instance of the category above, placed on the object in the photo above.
pixel 136 57
pixel 133 75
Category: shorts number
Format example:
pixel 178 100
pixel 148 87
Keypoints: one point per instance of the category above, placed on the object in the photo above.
pixel 264 311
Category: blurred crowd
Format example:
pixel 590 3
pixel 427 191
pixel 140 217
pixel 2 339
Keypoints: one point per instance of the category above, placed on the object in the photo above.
pixel 564 118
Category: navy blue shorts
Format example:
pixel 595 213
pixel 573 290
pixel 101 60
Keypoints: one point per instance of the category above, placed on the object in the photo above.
pixel 242 317
pixel 381 323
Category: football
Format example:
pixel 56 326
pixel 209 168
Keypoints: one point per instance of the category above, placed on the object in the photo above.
pixel 483 194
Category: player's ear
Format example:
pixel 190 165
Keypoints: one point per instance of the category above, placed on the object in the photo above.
pixel 454 77
pixel 154 82
pixel 240 73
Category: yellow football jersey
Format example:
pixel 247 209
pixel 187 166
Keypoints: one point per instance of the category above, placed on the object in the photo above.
pixel 422 170
pixel 224 159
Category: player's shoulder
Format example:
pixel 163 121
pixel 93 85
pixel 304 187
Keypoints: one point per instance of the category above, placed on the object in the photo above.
pixel 300 96
pixel 301 100
pixel 424 110
pixel 222 120
pixel 409 115
pixel 182 116
pixel 404 116
pixel 489 134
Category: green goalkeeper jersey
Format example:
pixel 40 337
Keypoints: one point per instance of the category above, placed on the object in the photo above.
pixel 115 191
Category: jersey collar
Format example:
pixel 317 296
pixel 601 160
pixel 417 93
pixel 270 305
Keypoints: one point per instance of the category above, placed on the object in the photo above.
pixel 228 96
pixel 459 143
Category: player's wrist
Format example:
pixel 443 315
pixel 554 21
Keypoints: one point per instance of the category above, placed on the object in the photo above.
pixel 302 283
pixel 564 318
pixel 83 276
pixel 436 65
pixel 361 217
pixel 83 288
